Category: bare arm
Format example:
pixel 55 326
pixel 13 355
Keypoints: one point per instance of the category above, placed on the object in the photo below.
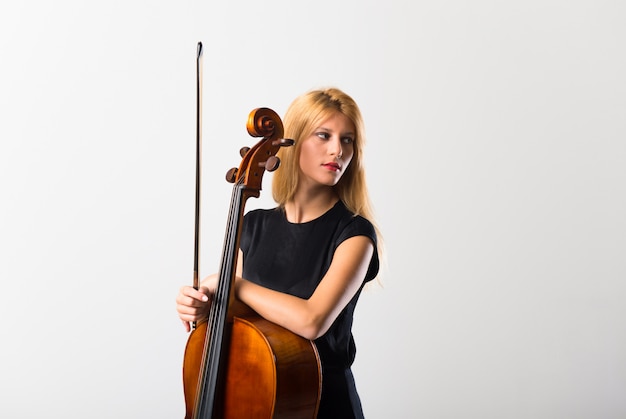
pixel 312 317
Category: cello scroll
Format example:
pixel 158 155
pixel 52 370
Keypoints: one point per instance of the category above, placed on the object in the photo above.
pixel 262 122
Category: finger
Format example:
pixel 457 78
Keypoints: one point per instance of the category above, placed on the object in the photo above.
pixel 200 295
pixel 207 293
pixel 191 310
pixel 184 300
pixel 187 326
pixel 190 317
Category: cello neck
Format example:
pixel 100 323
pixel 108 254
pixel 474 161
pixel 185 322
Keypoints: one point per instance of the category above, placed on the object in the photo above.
pixel 211 376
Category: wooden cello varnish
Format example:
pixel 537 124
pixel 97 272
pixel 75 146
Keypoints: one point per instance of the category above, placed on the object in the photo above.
pixel 270 372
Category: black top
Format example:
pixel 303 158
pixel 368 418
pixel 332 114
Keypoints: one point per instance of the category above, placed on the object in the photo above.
pixel 293 258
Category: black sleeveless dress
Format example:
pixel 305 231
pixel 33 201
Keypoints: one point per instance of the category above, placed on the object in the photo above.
pixel 293 258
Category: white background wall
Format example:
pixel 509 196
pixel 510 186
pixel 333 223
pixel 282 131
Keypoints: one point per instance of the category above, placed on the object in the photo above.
pixel 496 151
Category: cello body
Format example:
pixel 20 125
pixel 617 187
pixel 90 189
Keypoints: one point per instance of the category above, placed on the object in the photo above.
pixel 270 372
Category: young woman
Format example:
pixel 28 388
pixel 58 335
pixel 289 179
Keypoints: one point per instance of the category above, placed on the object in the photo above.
pixel 303 264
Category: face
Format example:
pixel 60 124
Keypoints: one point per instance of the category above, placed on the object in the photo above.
pixel 327 152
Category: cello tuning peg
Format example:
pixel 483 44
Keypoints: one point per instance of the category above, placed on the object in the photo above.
pixel 231 175
pixel 283 142
pixel 271 164
pixel 243 151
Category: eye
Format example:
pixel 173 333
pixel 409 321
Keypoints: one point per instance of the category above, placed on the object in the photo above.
pixel 347 140
pixel 323 135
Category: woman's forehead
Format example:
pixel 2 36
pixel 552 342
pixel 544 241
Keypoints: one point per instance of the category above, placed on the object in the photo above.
pixel 335 120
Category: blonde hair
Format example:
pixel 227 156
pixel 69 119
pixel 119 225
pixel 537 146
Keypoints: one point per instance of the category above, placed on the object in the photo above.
pixel 303 116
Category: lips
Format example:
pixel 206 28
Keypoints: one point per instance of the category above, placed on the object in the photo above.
pixel 332 166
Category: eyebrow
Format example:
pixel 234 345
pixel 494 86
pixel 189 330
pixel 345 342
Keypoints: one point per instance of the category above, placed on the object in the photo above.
pixel 329 130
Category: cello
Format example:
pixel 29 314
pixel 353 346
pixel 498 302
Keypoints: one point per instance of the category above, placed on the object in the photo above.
pixel 237 364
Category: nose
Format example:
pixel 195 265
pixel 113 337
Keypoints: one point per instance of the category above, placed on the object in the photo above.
pixel 335 147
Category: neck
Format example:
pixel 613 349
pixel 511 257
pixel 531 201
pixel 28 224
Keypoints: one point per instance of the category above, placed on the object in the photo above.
pixel 309 206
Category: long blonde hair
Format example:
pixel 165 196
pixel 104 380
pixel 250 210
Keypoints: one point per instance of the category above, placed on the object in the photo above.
pixel 303 116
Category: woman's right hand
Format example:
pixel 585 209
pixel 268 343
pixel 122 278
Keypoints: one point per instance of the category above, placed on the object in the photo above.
pixel 193 304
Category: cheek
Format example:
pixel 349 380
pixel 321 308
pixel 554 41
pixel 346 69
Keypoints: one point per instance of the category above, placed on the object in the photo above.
pixel 349 161
pixel 304 150
pixel 307 152
pixel 349 152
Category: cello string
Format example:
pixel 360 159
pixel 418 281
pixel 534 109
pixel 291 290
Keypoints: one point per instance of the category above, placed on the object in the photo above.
pixel 218 311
